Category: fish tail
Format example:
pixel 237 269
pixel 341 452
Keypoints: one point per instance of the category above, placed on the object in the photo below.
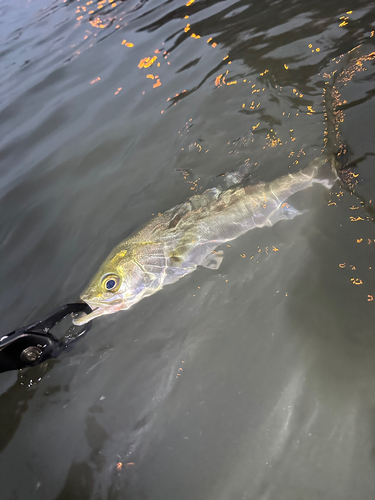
pixel 323 171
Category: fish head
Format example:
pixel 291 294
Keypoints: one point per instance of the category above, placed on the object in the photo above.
pixel 120 282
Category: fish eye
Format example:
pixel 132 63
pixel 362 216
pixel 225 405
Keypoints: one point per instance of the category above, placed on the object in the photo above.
pixel 111 282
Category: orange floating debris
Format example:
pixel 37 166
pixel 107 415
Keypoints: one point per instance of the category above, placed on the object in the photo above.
pixel 356 281
pixel 157 84
pixel 217 80
pixel 370 298
pixel 143 61
pixel 146 62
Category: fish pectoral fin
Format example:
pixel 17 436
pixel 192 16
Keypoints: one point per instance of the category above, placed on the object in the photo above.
pixel 213 260
pixel 285 212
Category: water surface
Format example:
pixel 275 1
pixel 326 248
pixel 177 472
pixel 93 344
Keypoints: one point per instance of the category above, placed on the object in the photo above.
pixel 255 381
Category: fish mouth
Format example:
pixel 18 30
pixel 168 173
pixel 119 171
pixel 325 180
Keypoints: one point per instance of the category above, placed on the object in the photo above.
pixel 97 310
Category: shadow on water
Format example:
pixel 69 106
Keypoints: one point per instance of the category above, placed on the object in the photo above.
pixel 79 483
pixel 14 401
pixel 80 480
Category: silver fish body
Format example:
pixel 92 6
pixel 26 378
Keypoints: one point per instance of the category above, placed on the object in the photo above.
pixel 175 242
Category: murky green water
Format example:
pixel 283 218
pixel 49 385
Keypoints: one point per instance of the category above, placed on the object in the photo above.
pixel 256 381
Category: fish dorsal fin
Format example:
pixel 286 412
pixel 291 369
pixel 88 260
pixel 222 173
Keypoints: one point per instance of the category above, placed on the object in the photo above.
pixel 236 177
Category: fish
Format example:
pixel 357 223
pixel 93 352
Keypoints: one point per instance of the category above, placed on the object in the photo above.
pixel 174 243
pixel 177 241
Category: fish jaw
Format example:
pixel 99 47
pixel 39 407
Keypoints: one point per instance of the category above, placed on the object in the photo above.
pixel 97 311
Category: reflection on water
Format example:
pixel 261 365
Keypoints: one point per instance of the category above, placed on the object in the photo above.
pixel 255 381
